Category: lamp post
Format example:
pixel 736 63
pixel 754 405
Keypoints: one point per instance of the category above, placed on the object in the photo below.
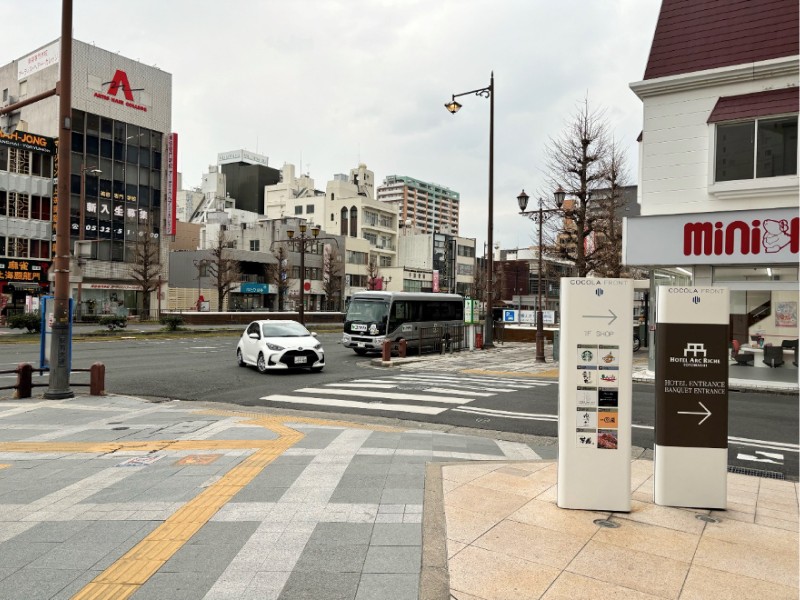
pixel 93 170
pixel 538 216
pixel 301 240
pixel 453 106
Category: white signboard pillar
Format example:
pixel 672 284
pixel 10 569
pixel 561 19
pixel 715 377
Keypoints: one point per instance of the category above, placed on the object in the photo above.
pixel 691 393
pixel 594 396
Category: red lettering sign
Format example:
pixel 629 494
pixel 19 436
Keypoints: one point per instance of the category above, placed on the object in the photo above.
pixel 771 236
pixel 120 80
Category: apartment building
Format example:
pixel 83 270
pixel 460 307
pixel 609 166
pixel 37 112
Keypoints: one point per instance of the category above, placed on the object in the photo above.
pixel 424 207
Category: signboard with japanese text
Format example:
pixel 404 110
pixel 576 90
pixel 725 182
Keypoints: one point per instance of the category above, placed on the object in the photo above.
pixel 170 212
pixel 15 270
pixel 595 394
pixel 691 393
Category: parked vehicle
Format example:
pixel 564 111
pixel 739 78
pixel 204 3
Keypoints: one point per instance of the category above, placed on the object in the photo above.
pixel 637 343
pixel 423 320
pixel 276 345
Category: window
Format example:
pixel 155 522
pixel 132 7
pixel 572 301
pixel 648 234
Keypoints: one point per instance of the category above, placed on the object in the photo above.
pixel 298 210
pixel 254 245
pixel 343 224
pixel 766 147
pixel 353 222
pixel 309 209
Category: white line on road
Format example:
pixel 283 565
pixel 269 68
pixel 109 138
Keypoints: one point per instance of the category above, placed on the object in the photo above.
pixel 425 410
pixel 386 395
pixel 379 386
pixel 752 458
pixel 488 412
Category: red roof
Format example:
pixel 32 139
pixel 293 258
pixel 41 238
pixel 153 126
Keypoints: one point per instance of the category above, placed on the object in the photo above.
pixel 759 104
pixel 694 35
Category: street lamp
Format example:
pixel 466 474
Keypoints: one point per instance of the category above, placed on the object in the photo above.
pixel 93 170
pixel 453 107
pixel 301 241
pixel 538 216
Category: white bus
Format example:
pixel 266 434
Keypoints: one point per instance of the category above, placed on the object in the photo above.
pixel 424 321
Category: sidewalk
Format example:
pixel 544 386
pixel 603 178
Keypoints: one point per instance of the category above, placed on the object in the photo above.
pixel 116 497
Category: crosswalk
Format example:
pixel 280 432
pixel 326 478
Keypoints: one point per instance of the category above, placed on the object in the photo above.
pixel 420 393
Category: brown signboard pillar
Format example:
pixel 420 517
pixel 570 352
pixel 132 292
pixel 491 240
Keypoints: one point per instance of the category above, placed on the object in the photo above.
pixel 691 392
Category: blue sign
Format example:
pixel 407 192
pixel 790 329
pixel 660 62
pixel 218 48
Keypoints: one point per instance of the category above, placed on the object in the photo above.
pixel 254 288
pixel 509 316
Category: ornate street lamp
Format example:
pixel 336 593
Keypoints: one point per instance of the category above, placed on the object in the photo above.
pixel 453 107
pixel 305 237
pixel 538 216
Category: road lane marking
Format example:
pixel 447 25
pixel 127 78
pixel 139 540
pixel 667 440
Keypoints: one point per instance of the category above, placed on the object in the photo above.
pixel 488 412
pixel 384 395
pixel 408 408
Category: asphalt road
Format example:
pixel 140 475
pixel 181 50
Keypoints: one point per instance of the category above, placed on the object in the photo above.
pixel 763 428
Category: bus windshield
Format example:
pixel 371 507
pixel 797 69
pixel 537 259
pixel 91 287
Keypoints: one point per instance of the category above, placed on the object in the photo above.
pixel 367 311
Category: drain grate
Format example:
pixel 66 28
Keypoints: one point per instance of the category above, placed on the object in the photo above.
pixel 756 472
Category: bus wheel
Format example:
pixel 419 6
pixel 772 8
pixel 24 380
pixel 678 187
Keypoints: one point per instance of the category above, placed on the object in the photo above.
pixel 360 351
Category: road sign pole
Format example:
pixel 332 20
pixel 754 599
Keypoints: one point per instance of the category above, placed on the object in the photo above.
pixel 691 393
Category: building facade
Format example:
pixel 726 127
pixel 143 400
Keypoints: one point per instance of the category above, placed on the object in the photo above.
pixel 425 207
pixel 120 141
pixel 718 183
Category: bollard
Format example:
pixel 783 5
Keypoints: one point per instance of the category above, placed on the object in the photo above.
pixel 402 348
pixel 24 380
pixel 386 355
pixel 478 340
pixel 97 379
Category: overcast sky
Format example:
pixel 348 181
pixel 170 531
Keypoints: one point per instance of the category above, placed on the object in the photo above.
pixel 335 83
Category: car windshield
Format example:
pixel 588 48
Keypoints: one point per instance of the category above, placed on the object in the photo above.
pixel 290 329
pixel 367 311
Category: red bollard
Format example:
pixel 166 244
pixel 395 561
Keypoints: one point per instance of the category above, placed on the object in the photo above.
pixel 478 340
pixel 402 348
pixel 386 355
pixel 24 380
pixel 97 379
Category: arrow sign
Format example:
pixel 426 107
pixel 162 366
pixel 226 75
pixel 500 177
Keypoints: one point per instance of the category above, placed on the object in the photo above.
pixel 613 316
pixel 707 413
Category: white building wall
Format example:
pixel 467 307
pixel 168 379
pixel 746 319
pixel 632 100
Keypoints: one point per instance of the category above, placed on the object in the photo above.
pixel 676 166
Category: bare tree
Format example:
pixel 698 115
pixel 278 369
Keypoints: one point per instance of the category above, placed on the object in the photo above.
pixel 576 163
pixel 224 270
pixel 332 276
pixel 146 266
pixel 278 275
pixel 373 274
pixel 608 227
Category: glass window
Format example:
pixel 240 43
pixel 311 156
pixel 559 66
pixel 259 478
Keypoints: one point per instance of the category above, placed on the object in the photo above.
pixel 92 124
pixel 760 148
pixel 309 209
pixel 776 152
pixel 106 128
pixel 298 210
pixel 3 158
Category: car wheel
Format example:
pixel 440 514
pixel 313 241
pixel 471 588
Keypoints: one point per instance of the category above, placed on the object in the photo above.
pixel 239 359
pixel 261 363
pixel 316 369
pixel 360 351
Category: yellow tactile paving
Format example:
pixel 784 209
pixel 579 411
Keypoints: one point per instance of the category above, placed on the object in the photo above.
pixel 4 466
pixel 123 578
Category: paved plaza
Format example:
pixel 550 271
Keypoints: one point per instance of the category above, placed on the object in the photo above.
pixel 119 497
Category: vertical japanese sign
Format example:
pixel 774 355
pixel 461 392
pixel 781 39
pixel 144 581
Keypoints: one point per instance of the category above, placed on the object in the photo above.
pixel 595 394
pixel 170 217
pixel 55 200
pixel 691 393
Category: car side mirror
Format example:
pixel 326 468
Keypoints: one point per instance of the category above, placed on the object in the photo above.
pixel 254 336
pixel 313 334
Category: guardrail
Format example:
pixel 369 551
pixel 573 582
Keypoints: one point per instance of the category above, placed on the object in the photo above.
pixel 24 384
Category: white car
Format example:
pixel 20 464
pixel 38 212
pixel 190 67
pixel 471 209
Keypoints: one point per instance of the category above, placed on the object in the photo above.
pixel 276 345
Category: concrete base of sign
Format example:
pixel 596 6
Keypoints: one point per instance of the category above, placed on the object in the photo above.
pixel 691 477
pixel 600 489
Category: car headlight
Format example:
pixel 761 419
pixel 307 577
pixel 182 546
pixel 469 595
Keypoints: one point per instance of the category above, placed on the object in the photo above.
pixel 318 347
pixel 274 347
pixel 345 339
pixel 379 341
